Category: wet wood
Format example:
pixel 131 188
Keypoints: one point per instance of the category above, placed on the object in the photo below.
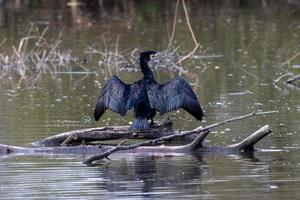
pixel 104 151
pixel 245 145
pixel 163 133
pixel 248 143
pixel 199 130
pixel 76 137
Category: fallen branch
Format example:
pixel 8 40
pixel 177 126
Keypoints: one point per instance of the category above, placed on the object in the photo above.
pixel 103 151
pixel 170 137
pixel 249 142
pixel 196 145
pixel 197 142
pixel 76 137
pixel 105 154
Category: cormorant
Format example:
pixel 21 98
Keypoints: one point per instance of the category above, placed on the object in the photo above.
pixel 147 96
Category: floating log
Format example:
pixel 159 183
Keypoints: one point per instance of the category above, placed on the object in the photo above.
pixel 196 145
pixel 101 150
pixel 161 133
pixel 76 137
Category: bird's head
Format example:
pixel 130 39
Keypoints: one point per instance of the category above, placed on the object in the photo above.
pixel 146 56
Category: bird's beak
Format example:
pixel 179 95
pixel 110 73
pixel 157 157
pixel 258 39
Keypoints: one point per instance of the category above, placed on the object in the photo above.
pixel 152 56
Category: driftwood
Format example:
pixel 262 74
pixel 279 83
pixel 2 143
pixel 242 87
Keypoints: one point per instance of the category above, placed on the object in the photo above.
pixel 195 146
pixel 157 144
pixel 76 137
pixel 159 131
pixel 202 133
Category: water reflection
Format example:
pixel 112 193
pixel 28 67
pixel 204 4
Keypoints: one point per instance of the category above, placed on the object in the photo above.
pixel 136 177
pixel 144 177
pixel 152 174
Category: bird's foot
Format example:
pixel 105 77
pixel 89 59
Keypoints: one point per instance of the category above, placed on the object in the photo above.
pixel 152 123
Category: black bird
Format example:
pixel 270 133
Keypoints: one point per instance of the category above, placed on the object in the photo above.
pixel 147 96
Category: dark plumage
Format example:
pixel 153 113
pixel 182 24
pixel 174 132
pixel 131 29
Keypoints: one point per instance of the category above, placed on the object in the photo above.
pixel 147 96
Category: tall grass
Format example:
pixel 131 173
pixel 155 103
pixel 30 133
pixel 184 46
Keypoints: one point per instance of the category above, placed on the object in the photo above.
pixel 35 54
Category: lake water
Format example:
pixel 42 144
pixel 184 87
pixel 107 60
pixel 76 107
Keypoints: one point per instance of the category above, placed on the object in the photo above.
pixel 244 48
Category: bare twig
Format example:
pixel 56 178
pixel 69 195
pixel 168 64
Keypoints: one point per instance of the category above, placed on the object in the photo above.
pixel 192 33
pixel 188 22
pixel 174 25
pixel 80 65
pixel 35 55
pixel 22 64
pixel 283 76
pixel 290 59
pixel 106 153
pixel 197 44
pixel 26 39
pixel 117 51
pixel 175 135
pixel 3 41
pixel 293 79
pixel 188 55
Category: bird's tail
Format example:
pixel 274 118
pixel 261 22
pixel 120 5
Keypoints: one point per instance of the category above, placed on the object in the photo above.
pixel 140 124
pixel 99 110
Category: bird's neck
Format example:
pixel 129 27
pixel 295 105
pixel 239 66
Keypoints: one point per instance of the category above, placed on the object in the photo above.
pixel 145 69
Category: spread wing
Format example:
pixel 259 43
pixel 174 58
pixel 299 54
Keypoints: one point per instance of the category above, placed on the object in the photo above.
pixel 173 95
pixel 113 96
pixel 134 94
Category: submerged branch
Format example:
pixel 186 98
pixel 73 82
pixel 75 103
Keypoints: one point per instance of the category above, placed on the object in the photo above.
pixel 108 152
pixel 290 82
pixel 293 79
pixel 197 142
pixel 282 76
pixel 250 141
